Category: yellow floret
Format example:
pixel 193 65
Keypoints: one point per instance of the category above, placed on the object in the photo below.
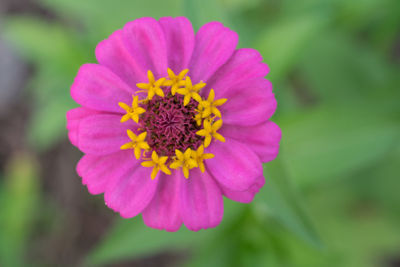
pixel 137 143
pixel 184 160
pixel 158 164
pixel 210 105
pixel 153 87
pixel 175 81
pixel 190 91
pixel 199 157
pixel 133 111
pixel 210 130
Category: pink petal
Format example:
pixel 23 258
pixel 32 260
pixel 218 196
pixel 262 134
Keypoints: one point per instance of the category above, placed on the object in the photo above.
pixel 201 202
pixel 145 41
pixel 263 138
pixel 244 65
pixel 103 134
pixel 214 45
pixel 179 37
pixel 98 171
pixel 131 191
pixel 249 103
pixel 114 54
pixel 246 196
pixel 74 116
pixel 235 166
pixel 163 211
pixel 96 87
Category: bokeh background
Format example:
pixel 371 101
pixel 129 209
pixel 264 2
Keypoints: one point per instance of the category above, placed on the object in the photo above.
pixel 332 197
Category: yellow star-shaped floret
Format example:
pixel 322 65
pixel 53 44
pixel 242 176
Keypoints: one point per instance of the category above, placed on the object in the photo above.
pixel 210 105
pixel 153 87
pixel 199 157
pixel 158 164
pixel 209 131
pixel 185 161
pixel 132 112
pixel 198 117
pixel 137 143
pixel 175 81
pixel 190 91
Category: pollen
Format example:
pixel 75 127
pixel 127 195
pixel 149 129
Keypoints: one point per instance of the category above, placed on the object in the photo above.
pixel 175 124
pixel 158 164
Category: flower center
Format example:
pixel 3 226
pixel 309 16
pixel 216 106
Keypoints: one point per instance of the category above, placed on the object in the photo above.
pixel 170 125
pixel 175 123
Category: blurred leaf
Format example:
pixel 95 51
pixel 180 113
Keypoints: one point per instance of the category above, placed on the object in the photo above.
pixel 57 55
pixel 52 101
pixel 48 123
pixel 329 142
pixel 45 44
pixel 19 202
pixel 279 197
pixel 341 70
pixel 282 43
pixel 247 240
pixel 201 12
pixel 130 239
pixel 358 14
pixel 102 17
pixel 357 232
pixel 379 183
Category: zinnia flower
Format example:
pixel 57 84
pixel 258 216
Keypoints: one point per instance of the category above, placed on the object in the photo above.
pixel 171 121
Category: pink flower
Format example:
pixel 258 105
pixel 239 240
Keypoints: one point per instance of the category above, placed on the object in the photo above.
pixel 172 121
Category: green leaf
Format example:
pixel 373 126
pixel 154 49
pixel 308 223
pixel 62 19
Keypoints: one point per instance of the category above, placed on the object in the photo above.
pixel 223 247
pixel 247 240
pixel 19 201
pixel 364 13
pixel 201 12
pixel 57 54
pixel 282 43
pixel 280 198
pixel 380 184
pixel 332 141
pixel 339 69
pixel 48 123
pixel 102 17
pixel 45 44
pixel 130 239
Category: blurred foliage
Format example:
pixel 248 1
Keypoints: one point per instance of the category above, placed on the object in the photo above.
pixel 19 199
pixel 331 197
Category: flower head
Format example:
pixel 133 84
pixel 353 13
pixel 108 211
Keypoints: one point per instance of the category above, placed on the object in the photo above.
pixel 171 121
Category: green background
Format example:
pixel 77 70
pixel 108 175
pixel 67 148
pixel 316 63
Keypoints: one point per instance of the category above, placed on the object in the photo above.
pixel 332 195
